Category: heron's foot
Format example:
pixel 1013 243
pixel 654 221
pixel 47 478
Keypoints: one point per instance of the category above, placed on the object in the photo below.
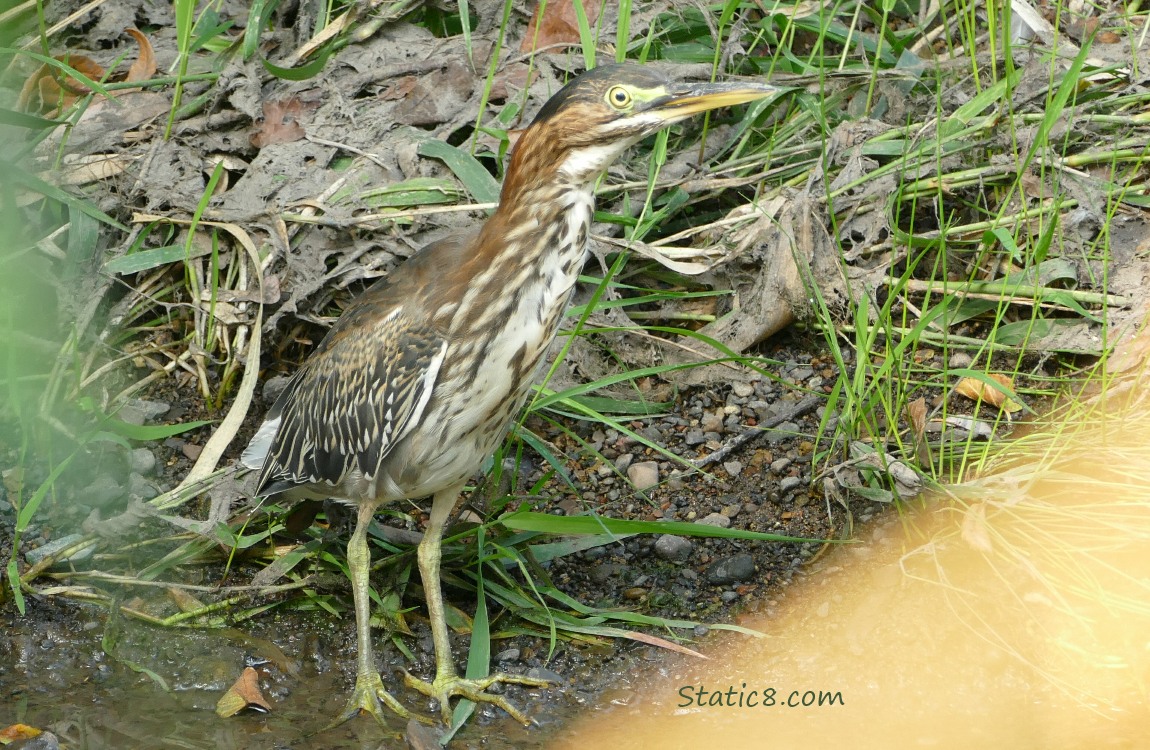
pixel 369 697
pixel 445 687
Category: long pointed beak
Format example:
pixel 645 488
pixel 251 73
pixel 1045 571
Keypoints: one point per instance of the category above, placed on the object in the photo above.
pixel 704 96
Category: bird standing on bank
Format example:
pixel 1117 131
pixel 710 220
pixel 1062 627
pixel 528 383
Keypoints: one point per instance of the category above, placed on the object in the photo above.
pixel 417 382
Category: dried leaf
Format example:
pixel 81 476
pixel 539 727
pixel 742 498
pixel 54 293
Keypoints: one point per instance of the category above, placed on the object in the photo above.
pixel 47 91
pixel 975 531
pixel 185 601
pixel 245 693
pixel 916 417
pixel 559 24
pixel 89 168
pixel 976 389
pixel 280 123
pixel 145 65
pixel 17 732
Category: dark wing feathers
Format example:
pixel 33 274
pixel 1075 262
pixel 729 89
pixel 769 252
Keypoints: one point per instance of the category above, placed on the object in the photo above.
pixel 359 394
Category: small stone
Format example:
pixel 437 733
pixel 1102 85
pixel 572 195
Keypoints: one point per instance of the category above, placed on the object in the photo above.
pixel 542 673
pixel 511 654
pixel 273 387
pixel 730 511
pixel 716 519
pixel 784 431
pixel 789 483
pixel 733 468
pixel 600 573
pixel 695 437
pixel 137 410
pixel 801 373
pixel 712 422
pixel 743 390
pixel 142 461
pixel 673 548
pixel 141 488
pixel 635 593
pixel 731 570
pixel 728 597
pixel 37 555
pixel 959 360
pixel 644 475
pixel 103 491
pixel 778 466
pixel 623 461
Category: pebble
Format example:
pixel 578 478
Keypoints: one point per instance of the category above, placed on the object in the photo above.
pixel 673 548
pixel 801 373
pixel 511 654
pixel 712 422
pixel 784 431
pixel 140 488
pixel 600 573
pixel 103 490
pixel 543 673
pixel 716 519
pixel 960 360
pixel 273 387
pixel 643 475
pixel 47 550
pixel 743 390
pixel 42 741
pixel 624 461
pixel 137 410
pixel 730 511
pixel 779 465
pixel 695 437
pixel 789 483
pixel 731 570
pixel 728 596
pixel 142 461
pixel 733 468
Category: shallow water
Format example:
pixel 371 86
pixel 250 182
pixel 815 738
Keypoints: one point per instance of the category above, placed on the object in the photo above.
pixel 1019 618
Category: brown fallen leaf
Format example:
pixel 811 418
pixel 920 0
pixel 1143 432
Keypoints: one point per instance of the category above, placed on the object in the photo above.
pixel 974 528
pixel 244 693
pixel 49 91
pixel 145 65
pixel 976 389
pixel 17 732
pixel 916 417
pixel 88 168
pixel 280 123
pixel 559 24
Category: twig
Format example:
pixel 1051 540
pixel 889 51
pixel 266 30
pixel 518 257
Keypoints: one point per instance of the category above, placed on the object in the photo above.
pixel 800 409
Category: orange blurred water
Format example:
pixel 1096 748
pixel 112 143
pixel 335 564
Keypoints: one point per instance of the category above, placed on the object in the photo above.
pixel 1015 614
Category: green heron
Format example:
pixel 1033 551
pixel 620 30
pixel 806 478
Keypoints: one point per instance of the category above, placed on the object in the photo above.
pixel 418 380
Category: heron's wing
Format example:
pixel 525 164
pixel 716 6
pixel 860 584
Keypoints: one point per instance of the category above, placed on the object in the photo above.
pixel 359 394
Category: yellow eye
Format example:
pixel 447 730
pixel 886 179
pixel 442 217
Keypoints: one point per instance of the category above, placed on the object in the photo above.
pixel 619 97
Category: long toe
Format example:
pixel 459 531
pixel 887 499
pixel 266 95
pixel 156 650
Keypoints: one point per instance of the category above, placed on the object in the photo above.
pixel 446 687
pixel 369 697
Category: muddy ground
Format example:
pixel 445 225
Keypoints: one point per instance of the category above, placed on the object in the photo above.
pixel 103 681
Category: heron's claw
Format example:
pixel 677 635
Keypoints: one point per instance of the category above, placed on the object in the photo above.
pixel 444 687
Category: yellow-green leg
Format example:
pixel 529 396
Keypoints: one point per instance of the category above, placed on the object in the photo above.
pixel 447 682
pixel 369 692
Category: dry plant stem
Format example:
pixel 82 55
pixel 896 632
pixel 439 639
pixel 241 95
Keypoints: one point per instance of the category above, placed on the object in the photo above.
pixel 97 575
pixel 800 409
